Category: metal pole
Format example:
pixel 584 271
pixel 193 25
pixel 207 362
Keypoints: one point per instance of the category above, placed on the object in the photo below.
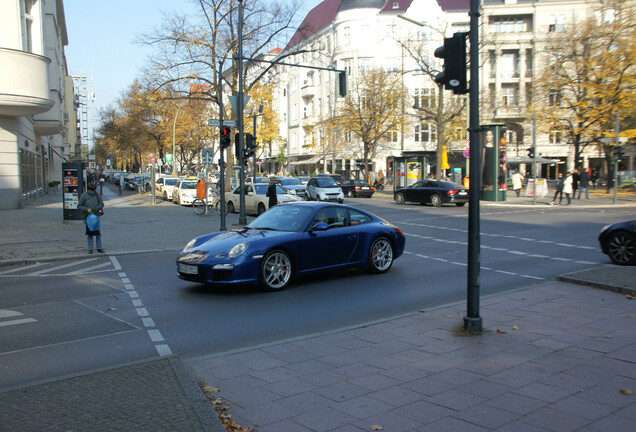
pixel 254 157
pixel 472 321
pixel 221 162
pixel 240 107
pixel 534 158
pixel 617 128
pixel 174 126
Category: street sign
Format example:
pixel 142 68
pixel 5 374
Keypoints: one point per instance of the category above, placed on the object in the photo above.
pixel 226 123
pixel 168 157
pixel 234 101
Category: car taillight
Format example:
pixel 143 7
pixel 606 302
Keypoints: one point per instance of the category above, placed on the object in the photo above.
pixel 451 192
pixel 357 187
pixel 372 188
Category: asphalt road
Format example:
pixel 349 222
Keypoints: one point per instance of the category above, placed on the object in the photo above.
pixel 87 313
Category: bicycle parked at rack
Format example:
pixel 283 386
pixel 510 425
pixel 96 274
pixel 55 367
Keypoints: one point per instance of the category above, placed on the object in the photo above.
pixel 201 205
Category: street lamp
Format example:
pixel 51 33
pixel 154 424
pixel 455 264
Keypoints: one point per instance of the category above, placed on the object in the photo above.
pixel 174 126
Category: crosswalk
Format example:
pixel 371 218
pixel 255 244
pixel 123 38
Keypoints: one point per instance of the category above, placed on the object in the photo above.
pixel 69 268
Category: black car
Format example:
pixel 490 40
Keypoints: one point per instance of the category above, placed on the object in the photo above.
pixel 618 241
pixel 432 192
pixel 357 188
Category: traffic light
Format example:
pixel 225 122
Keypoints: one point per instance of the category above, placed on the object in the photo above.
pixel 225 137
pixel 250 146
pixel 620 153
pixel 453 76
pixel 531 152
pixel 342 83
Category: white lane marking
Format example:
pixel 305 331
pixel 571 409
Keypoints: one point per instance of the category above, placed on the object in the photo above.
pixel 148 322
pixel 17 321
pixel 117 265
pixel 163 350
pixel 21 268
pixel 8 313
pixel 155 335
pixel 88 269
pixel 71 264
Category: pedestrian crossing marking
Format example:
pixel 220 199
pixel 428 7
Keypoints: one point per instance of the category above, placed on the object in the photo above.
pixel 68 268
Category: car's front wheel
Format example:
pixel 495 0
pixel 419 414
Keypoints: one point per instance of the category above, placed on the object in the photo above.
pixel 230 207
pixel 276 270
pixel 621 248
pixel 351 194
pixel 380 255
pixel 399 198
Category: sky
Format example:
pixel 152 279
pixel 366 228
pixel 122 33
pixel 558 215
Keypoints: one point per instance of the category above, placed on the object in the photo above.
pixel 102 38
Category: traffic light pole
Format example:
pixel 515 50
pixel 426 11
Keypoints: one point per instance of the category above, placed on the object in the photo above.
pixel 473 322
pixel 240 107
pixel 221 180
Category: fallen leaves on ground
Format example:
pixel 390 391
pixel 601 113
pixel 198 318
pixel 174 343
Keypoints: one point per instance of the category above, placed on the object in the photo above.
pixel 626 392
pixel 377 427
pixel 221 409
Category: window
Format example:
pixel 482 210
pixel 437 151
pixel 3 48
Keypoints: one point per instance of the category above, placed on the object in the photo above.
pixel 509 94
pixel 334 217
pixel 509 25
pixel 347 65
pixel 424 98
pixel 347 35
pixel 556 137
pixel 492 55
pixel 396 5
pixel 29 11
pixel 392 136
pixel 551 24
pixel 425 133
pixel 358 218
pixel 554 97
pixel 392 65
pixel 560 23
pixel 365 65
pixel 510 64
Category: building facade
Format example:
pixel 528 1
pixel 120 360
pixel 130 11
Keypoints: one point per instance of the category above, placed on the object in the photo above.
pixel 37 121
pixel 357 35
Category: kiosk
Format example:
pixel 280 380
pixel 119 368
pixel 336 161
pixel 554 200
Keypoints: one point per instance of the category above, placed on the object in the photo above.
pixel 73 185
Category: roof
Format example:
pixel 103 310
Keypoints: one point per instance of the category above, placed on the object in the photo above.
pixel 325 13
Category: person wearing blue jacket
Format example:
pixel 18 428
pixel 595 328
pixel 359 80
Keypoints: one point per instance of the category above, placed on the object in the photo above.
pixel 92 204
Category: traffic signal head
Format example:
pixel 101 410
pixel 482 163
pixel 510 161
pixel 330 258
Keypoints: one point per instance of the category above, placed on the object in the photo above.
pixel 342 83
pixel 225 137
pixel 531 152
pixel 453 52
pixel 250 145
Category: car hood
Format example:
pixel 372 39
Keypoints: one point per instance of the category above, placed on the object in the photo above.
pixel 219 244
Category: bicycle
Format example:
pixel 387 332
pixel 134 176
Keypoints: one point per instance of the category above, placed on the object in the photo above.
pixel 201 205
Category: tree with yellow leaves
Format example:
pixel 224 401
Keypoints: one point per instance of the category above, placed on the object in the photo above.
pixel 373 109
pixel 589 76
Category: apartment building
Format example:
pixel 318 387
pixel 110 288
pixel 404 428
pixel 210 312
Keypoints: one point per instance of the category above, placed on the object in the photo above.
pixel 37 122
pixel 357 35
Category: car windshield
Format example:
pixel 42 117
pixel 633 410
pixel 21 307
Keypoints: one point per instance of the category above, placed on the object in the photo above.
pixel 290 181
pixel 325 182
pixel 261 189
pixel 360 183
pixel 283 218
pixel 188 185
pixel 171 182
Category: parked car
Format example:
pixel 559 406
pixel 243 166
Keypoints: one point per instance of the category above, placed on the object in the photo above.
pixel 184 192
pixel 337 177
pixel 164 187
pixel 432 192
pixel 255 200
pixel 133 183
pixel 324 188
pixel 618 241
pixel 303 179
pixel 291 240
pixel 293 186
pixel 357 188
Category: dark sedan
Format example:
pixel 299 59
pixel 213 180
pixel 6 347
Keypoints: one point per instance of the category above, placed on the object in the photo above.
pixel 432 192
pixel 357 188
pixel 618 241
pixel 290 240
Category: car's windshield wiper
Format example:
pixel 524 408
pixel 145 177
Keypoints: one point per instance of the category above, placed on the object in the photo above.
pixel 268 228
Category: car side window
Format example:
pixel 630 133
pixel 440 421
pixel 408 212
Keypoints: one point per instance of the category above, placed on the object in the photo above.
pixel 358 218
pixel 334 217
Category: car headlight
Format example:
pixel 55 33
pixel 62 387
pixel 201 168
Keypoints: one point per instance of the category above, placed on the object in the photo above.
pixel 190 244
pixel 237 250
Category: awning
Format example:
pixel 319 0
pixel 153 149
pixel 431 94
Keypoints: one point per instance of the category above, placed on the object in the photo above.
pixel 527 160
pixel 310 161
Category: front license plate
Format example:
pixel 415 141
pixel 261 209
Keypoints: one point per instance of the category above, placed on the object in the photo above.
pixel 188 269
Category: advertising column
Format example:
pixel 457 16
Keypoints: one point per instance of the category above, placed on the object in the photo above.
pixel 72 188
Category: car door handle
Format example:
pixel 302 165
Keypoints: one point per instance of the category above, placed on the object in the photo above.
pixel 352 237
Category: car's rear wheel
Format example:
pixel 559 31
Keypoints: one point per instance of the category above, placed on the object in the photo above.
pixel 621 248
pixel 399 198
pixel 276 270
pixel 380 255
pixel 436 200
pixel 261 208
pixel 460 204
pixel 230 207
pixel 165 196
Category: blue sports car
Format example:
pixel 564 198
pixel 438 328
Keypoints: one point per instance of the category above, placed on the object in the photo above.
pixel 289 240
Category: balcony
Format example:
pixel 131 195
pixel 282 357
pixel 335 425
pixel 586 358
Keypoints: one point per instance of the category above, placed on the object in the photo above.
pixel 308 91
pixel 24 83
pixel 510 112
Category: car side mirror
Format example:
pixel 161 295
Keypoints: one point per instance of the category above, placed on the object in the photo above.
pixel 319 226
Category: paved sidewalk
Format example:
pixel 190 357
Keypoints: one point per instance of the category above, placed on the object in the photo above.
pixel 555 357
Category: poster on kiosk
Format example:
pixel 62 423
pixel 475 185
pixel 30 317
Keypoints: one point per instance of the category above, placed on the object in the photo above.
pixel 73 182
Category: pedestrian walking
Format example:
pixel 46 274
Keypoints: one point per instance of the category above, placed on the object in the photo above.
pixel 271 192
pixel 517 182
pixel 576 178
pixel 559 190
pixel 584 184
pixel 92 205
pixel 567 187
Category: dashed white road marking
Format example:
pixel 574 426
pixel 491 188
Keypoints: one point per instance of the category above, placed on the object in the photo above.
pixel 71 264
pixel 153 333
pixel 17 321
